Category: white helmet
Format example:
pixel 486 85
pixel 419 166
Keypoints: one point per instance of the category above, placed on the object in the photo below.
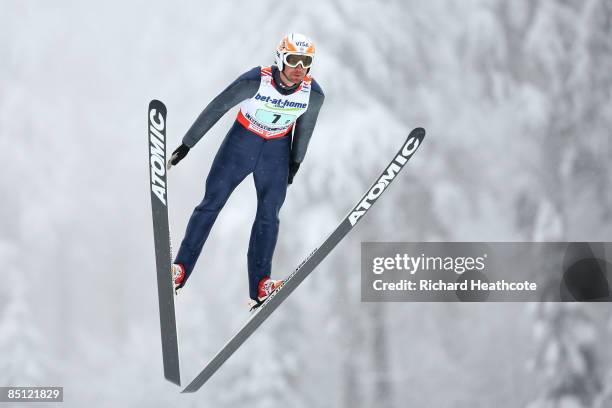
pixel 298 48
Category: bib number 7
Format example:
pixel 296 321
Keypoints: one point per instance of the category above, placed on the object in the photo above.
pixel 274 118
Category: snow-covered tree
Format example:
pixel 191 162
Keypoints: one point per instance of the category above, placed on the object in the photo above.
pixel 24 360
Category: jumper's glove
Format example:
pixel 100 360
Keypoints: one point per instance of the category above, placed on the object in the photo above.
pixel 293 168
pixel 178 155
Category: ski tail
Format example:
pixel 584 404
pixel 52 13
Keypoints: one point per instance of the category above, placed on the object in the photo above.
pixel 414 140
pixel 163 257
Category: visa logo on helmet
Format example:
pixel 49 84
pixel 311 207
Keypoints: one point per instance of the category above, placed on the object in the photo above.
pixel 302 44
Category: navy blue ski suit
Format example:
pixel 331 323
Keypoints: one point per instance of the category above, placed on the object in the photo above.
pixel 241 153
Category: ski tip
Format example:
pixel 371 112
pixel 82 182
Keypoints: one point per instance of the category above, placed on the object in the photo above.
pixel 416 135
pixel 157 105
pixel 418 132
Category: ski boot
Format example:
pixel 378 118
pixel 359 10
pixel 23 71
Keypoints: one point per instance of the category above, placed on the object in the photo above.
pixel 178 276
pixel 265 288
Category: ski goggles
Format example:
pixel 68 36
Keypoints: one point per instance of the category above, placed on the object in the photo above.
pixel 293 60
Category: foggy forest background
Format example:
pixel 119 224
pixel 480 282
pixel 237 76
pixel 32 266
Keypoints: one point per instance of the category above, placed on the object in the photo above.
pixel 517 101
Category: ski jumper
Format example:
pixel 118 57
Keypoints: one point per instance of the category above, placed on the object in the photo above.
pixel 260 142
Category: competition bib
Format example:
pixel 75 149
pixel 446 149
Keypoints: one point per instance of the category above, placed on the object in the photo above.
pixel 271 114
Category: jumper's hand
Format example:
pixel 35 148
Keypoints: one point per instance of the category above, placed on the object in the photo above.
pixel 293 168
pixel 178 155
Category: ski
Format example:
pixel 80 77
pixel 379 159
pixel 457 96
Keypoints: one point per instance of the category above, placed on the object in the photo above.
pixel 413 141
pixel 161 231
